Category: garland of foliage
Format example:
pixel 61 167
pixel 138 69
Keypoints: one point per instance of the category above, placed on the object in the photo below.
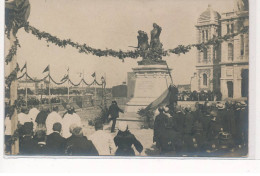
pixel 12 52
pixel 12 75
pixel 180 49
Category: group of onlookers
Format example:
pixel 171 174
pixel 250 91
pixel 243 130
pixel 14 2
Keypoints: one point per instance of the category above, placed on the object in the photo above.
pixel 49 133
pixel 202 129
pixel 199 96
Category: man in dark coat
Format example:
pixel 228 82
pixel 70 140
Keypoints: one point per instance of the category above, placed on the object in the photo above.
pixel 213 131
pixel 159 125
pixel 124 141
pixel 27 143
pixel 242 124
pixel 114 113
pixel 79 145
pixel 55 143
pixel 40 139
pixel 188 125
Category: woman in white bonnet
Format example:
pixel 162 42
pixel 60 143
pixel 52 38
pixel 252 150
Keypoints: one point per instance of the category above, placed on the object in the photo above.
pixel 124 141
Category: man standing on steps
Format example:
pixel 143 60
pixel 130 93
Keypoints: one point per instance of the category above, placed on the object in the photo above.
pixel 114 113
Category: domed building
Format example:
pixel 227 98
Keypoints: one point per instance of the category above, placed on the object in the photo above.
pixel 224 68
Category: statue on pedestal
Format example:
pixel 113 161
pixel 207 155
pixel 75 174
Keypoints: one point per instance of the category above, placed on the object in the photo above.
pixel 155 37
pixel 151 54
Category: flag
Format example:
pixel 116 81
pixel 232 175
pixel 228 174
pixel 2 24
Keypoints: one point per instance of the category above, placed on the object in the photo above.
pixel 94 75
pixel 25 66
pixel 64 78
pixel 46 69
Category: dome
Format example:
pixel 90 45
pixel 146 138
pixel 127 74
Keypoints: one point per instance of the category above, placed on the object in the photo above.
pixel 209 17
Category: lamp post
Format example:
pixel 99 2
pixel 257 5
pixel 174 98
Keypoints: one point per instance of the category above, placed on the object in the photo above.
pixel 104 91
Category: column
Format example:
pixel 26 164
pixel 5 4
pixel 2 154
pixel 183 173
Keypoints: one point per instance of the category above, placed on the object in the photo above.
pixel 223 88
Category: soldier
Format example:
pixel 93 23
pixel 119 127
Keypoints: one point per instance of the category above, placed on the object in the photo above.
pixel 159 126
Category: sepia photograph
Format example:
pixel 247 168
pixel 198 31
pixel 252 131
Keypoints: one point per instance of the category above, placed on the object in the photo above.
pixel 132 78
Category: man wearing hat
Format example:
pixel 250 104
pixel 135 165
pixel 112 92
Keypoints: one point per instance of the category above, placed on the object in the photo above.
pixel 222 118
pixel 78 144
pixel 213 131
pixel 114 113
pixel 242 124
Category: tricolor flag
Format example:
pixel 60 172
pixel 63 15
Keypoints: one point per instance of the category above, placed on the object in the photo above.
pixel 64 78
pixel 94 75
pixel 46 69
pixel 24 67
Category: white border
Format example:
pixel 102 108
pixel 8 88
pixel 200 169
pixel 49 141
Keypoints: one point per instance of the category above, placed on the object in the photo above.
pixel 152 165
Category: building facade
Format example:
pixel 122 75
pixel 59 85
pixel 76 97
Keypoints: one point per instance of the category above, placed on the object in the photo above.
pixel 223 68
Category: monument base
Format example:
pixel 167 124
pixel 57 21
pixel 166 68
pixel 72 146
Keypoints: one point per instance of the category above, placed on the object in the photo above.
pixel 151 82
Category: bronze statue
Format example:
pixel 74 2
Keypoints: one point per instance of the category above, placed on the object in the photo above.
pixel 155 37
pixel 142 40
pixel 151 54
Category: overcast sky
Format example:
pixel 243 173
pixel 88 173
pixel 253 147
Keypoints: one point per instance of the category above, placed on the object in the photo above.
pixel 110 24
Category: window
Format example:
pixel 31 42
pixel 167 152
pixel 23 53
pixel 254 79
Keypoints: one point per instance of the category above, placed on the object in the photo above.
pixel 242 45
pixel 205 79
pixel 205 55
pixel 230 52
pixel 232 28
pixel 207 35
pixel 228 30
pixel 203 37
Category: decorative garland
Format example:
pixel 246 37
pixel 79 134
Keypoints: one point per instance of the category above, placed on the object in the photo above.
pixel 12 77
pixel 12 52
pixel 83 48
pixel 8 80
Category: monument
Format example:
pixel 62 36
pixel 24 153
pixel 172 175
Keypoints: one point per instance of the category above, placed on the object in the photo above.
pixel 152 74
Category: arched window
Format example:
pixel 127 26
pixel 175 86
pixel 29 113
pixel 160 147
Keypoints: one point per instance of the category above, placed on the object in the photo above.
pixel 230 52
pixel 205 79
pixel 242 45
pixel 205 55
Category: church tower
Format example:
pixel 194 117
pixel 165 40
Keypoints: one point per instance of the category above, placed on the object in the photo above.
pixel 207 66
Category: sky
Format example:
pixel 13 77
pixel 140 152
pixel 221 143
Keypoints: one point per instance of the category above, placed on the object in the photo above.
pixel 110 24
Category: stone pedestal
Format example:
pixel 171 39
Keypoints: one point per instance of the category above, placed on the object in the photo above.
pixel 151 82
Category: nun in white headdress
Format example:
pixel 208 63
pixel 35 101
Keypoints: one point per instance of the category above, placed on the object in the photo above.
pixel 124 141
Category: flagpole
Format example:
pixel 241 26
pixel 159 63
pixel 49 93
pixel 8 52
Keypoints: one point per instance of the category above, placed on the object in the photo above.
pixel 13 97
pixel 68 72
pixel 26 93
pixel 49 86
pixel 105 98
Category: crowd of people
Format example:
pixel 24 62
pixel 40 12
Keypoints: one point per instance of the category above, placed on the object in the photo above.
pixel 202 130
pixel 49 133
pixel 199 96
